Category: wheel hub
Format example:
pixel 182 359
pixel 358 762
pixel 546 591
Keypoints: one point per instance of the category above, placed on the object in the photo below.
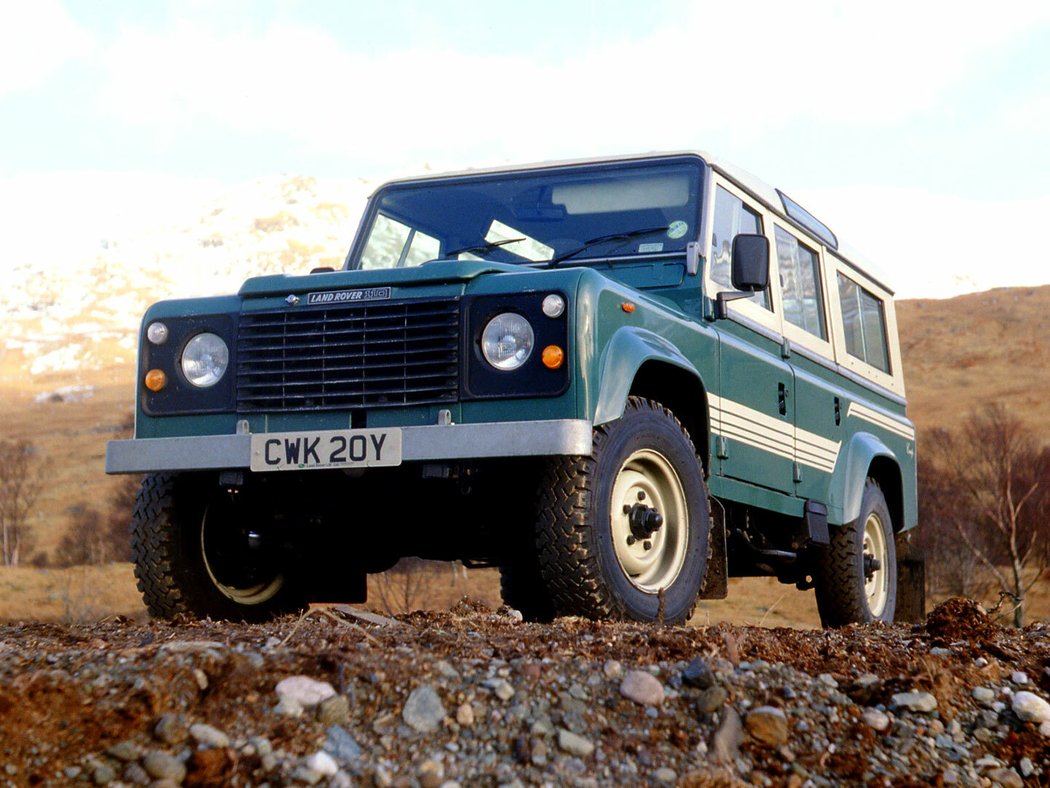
pixel 644 520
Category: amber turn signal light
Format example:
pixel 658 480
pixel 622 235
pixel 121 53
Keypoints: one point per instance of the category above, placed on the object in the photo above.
pixel 553 357
pixel 156 380
pixel 627 307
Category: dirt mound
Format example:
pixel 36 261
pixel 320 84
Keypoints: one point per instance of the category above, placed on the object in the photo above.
pixel 958 619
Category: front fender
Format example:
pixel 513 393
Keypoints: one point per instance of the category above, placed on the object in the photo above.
pixel 847 490
pixel 624 354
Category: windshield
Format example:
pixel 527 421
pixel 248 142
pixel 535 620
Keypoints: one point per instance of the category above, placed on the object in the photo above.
pixel 544 217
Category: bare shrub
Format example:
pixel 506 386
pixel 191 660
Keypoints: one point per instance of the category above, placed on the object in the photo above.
pixel 96 538
pixel 407 585
pixel 21 480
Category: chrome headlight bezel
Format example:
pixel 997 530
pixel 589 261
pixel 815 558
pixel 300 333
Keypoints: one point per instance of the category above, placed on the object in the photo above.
pixel 204 359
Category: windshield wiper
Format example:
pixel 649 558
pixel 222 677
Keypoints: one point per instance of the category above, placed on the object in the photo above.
pixel 626 236
pixel 487 246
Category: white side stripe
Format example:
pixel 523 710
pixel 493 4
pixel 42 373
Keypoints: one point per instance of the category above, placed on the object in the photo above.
pixel 881 420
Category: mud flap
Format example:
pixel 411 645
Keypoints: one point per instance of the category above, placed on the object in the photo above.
pixel 716 581
pixel 911 581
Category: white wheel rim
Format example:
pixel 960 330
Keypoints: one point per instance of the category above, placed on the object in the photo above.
pixel 252 595
pixel 876 587
pixel 647 478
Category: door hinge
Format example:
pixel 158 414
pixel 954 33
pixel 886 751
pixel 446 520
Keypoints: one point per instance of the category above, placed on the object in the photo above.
pixel 798 472
pixel 723 448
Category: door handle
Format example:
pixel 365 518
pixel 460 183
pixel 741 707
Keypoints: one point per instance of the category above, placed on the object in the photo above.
pixel 782 399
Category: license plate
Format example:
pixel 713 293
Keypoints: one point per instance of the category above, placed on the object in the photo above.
pixel 297 451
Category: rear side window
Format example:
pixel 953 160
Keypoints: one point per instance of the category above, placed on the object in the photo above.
pixel 732 218
pixel 800 284
pixel 864 324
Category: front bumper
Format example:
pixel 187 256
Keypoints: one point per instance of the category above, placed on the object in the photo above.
pixel 436 442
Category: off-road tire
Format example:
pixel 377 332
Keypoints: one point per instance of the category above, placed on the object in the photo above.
pixel 578 558
pixel 842 597
pixel 166 548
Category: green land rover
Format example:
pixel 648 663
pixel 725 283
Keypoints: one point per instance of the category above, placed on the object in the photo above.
pixel 619 381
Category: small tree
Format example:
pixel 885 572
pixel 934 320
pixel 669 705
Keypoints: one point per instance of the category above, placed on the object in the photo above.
pixel 1000 480
pixel 20 485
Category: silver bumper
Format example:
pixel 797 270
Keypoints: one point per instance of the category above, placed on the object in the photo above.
pixel 438 442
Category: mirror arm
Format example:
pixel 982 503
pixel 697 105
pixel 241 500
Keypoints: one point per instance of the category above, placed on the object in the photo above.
pixel 692 258
pixel 723 298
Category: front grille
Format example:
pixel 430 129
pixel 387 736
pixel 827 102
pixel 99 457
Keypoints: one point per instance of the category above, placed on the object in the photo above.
pixel 348 356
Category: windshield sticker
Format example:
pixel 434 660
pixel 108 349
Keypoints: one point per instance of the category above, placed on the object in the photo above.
pixel 653 247
pixel 677 229
pixel 349 296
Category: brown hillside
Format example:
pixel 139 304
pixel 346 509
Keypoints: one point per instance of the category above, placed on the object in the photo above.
pixel 961 353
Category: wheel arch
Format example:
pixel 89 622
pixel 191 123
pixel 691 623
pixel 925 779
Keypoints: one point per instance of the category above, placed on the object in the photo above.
pixel 643 364
pixel 868 457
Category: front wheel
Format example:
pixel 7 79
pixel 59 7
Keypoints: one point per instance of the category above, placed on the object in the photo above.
pixel 207 551
pixel 624 533
pixel 856 575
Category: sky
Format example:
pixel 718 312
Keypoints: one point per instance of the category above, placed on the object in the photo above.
pixel 919 131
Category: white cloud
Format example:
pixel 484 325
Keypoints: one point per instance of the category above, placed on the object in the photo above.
pixel 757 68
pixel 36 39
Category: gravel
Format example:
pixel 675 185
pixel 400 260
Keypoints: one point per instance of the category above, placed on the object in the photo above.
pixel 476 697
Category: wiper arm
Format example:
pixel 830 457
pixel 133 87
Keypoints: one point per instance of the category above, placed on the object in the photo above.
pixel 604 238
pixel 487 246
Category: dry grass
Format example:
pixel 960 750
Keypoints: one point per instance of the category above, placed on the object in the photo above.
pixel 76 595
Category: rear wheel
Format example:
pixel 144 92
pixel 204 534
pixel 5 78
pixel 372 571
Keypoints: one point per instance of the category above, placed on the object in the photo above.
pixel 856 575
pixel 210 552
pixel 624 533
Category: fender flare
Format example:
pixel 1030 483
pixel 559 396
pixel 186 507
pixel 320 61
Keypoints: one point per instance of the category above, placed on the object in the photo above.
pixel 623 355
pixel 861 451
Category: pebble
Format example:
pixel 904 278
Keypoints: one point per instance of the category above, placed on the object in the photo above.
pixel 828 680
pixel 1030 707
pixel 305 691
pixel 341 745
pixel 665 776
pixel 162 766
pixel 1018 677
pixel 612 669
pixel 208 736
pixel 423 710
pixel 698 674
pixel 1027 767
pixel 102 774
pixel 170 729
pixel 136 775
pixel 922 702
pixel 465 715
pixel 642 687
pixel 501 688
pixel 983 695
pixel 322 763
pixel 574 744
pixel 711 700
pixel 334 710
pixel 727 739
pixel 876 719
pixel 125 751
pixel 767 724
pixel 1007 778
pixel 289 707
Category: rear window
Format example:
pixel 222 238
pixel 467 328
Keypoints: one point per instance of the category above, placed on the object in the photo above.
pixel 864 324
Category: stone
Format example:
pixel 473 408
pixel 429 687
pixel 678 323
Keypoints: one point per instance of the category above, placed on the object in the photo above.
pixel 1007 778
pixel 423 710
pixel 711 700
pixel 334 710
pixel 574 744
pixel 125 751
pixel 642 687
pixel 341 745
pixel 665 776
pixel 289 707
pixel 612 669
pixel 1030 707
pixel 170 729
pixel 431 774
pixel 305 691
pixel 875 719
pixel 828 680
pixel 767 724
pixel 102 774
pixel 727 739
pixel 322 763
pixel 136 775
pixel 1019 677
pixel 465 715
pixel 208 736
pixel 161 766
pixel 1027 767
pixel 501 688
pixel 698 674
pixel 922 702
pixel 983 695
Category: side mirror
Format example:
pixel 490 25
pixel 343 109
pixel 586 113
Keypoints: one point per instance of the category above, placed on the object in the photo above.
pixel 750 263
pixel 750 271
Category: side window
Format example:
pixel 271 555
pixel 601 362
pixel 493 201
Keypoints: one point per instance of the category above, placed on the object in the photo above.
pixel 864 324
pixel 800 285
pixel 392 244
pixel 731 219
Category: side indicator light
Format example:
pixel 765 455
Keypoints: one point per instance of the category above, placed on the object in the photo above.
pixel 156 380
pixel 627 307
pixel 553 357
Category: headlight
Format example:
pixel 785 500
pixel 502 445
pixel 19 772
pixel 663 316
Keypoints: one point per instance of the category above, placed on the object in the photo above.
pixel 205 359
pixel 507 341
